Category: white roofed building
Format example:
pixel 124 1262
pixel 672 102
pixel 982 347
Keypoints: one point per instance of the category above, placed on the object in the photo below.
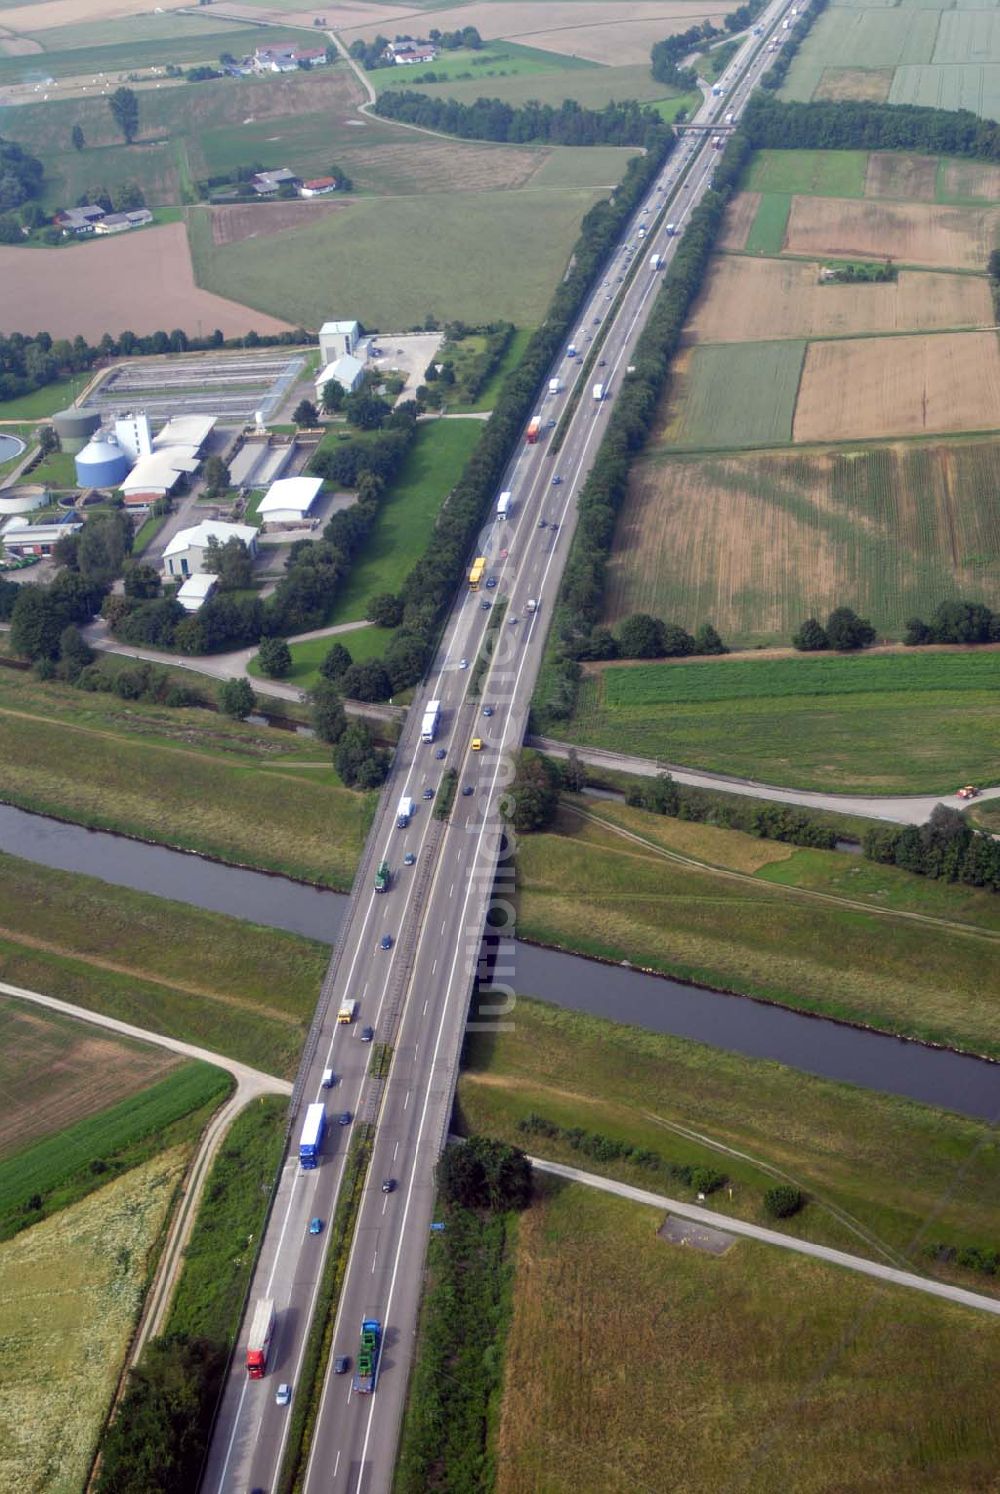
pixel 338 338
pixel 185 554
pixel 346 371
pixel 289 500
pixel 196 590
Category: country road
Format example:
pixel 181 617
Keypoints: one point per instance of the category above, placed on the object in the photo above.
pixel 740 1227
pixel 899 808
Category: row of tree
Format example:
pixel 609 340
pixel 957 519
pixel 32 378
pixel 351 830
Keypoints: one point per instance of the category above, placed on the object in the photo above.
pixel 661 795
pixel 20 175
pixel 946 848
pixel 771 125
pixel 845 631
pixel 667 55
pixel 629 123
pixel 955 622
pixel 775 75
pixel 581 595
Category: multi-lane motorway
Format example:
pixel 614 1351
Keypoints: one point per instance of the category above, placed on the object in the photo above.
pixel 416 993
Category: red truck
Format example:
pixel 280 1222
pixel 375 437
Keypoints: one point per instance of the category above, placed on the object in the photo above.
pixel 259 1341
pixel 534 427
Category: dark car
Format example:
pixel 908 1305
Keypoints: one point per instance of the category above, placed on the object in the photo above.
pixel 467 791
pixel 486 604
pixel 440 754
pixel 487 710
pixel 602 362
pixel 428 794
pixel 543 523
pixel 556 480
pixel 388 1185
pixel 386 940
pixel 345 1118
pixel 316 1226
pixel 491 581
pixel 367 1033
pixel 409 859
pixel 341 1364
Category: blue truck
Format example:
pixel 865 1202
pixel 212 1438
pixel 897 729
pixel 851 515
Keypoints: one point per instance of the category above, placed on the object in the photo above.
pixel 369 1350
pixel 311 1140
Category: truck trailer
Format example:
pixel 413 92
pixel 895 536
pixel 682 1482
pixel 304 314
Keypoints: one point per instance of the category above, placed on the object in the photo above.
pixel 534 428
pixel 259 1339
pixel 477 572
pixel 656 261
pixel 598 393
pixel 503 505
pixel 555 386
pixel 383 877
pixel 348 1010
pixel 313 1131
pixel 369 1350
pixel 404 812
pixel 431 721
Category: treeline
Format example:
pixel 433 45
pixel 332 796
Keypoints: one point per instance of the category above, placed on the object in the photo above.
pixel 629 123
pixel 770 125
pixel 775 75
pixel 20 175
pixel 29 363
pixel 946 849
pixel 581 594
pixel 643 636
pixel 666 55
pixel 955 622
pixel 661 795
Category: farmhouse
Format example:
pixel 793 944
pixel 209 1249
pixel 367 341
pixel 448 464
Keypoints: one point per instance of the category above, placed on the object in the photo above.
pixel 20 537
pixel 406 53
pixel 318 187
pixel 121 222
pixel 269 183
pixel 346 371
pixel 338 338
pixel 279 59
pixel 79 220
pixel 310 56
pixel 185 554
pixel 290 500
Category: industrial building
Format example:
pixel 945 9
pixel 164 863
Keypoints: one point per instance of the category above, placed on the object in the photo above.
pixel 290 500
pixel 21 537
pixel 337 340
pixel 102 463
pixel 175 453
pixel 185 554
pixel 346 371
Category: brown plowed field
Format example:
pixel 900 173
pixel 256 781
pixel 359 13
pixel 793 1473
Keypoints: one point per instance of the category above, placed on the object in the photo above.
pixel 867 85
pixel 899 386
pixel 892 174
pixel 142 280
pixel 50 13
pixel 54 1071
pixel 971 179
pixel 251 220
pixel 912 233
pixel 738 220
pixel 757 300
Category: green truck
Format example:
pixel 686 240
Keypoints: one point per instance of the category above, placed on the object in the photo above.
pixel 383 877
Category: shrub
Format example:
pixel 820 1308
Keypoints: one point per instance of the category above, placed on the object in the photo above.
pixel 783 1200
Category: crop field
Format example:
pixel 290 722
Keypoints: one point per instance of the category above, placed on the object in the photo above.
pixel 70 1293
pixel 767 232
pixel 55 1072
pixel 911 233
pixel 883 37
pixel 90 289
pixel 968 181
pixel 757 543
pixel 252 220
pixel 76 62
pixel 590 86
pixel 732 395
pixel 817 173
pixel 370 252
pixel 635 1363
pixel 864 85
pixel 895 174
pixel 955 87
pixel 738 220
pixel 873 725
pixel 899 386
pixel 486 70
pixel 754 300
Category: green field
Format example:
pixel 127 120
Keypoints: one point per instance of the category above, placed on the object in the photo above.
pixel 966 86
pixel 54 471
pixel 372 249
pixel 45 401
pixel 218 982
pixel 362 645
pixel 876 1168
pixel 736 395
pixel 591 890
pixel 906 723
pixel 634 1363
pixel 188 778
pixel 133 44
pixel 59 1170
pixel 592 87
pixel 507 364
pixel 485 70
pixel 767 231
pixel 811 173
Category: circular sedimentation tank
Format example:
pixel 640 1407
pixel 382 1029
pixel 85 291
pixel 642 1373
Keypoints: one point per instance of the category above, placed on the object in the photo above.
pixel 74 427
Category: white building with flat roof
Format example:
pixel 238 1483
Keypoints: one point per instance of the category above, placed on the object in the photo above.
pixel 289 500
pixel 185 554
pixel 346 371
pixel 196 590
pixel 337 339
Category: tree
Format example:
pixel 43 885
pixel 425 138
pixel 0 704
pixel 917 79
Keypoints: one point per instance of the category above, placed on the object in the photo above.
pixel 847 631
pixel 237 699
pixel 405 660
pixel 535 792
pixel 124 106
pixel 216 476
pixel 366 681
pixel 74 653
pixel 142 582
pixel 36 624
pixel 356 758
pixel 305 413
pixel 810 638
pixel 365 411
pixel 231 562
pixel 274 657
pixel 333 396
pixel 641 637
pixel 105 541
pixel 783 1200
pixel 77 137
pixel 336 663
pixel 574 776
pixel 482 1173
pixel 707 641
pixel 329 718
pixel 385 610
pixel 48 441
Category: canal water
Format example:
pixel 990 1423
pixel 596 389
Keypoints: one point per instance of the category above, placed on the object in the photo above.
pixel 738 1024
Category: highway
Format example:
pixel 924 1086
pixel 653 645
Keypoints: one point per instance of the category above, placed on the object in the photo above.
pixel 416 993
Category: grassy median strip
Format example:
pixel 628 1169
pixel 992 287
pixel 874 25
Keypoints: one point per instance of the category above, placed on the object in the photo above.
pixel 446 794
pixel 320 1340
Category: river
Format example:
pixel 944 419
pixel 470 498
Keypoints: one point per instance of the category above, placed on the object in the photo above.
pixel 934 1076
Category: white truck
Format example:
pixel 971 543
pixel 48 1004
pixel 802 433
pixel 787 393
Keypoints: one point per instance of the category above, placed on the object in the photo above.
pixel 598 392
pixel 327 1078
pixel 730 118
pixel 531 605
pixel 404 813
pixel 431 721
pixel 672 230
pixel 555 385
pixel 641 234
pixel 503 505
pixel 571 350
pixel 656 261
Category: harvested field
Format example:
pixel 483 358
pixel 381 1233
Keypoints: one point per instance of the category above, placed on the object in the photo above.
pixel 54 1072
pixel 756 542
pixel 91 289
pixel 900 386
pixel 248 220
pixel 910 233
pixel 865 85
pixel 619 42
pixel 739 220
pixel 749 300
pixel 969 180
pixel 49 14
pixel 893 174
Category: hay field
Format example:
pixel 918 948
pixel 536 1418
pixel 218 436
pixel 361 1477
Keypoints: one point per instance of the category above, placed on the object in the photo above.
pixel 92 289
pixel 900 386
pixel 910 233
pixel 49 14
pixel 967 181
pixel 733 395
pixel 747 300
pixel 895 174
pixel 738 221
pixel 251 220
pixel 593 87
pixel 757 542
pixel 634 1363
pixel 70 1293
pixel 864 85
pixel 54 1072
